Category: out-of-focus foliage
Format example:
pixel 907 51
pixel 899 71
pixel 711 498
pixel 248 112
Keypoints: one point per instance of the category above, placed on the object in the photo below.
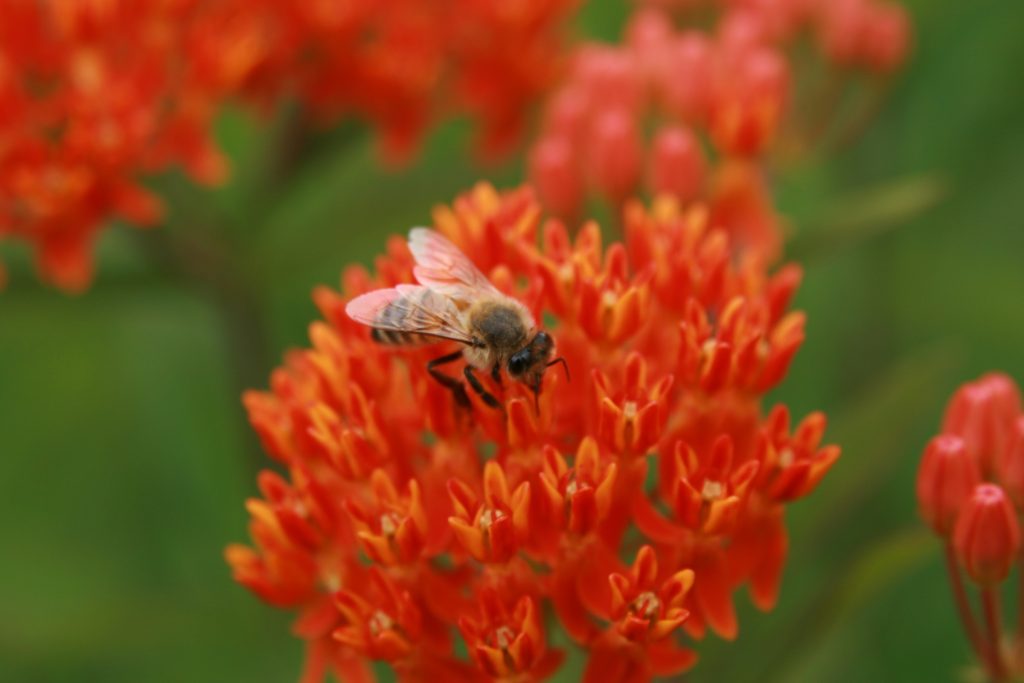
pixel 125 452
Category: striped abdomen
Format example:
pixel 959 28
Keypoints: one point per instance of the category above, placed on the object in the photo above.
pixel 409 314
pixel 396 338
pixel 398 322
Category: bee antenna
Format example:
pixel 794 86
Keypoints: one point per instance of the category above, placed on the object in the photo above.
pixel 565 366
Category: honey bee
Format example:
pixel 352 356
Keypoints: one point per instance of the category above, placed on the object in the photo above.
pixel 455 301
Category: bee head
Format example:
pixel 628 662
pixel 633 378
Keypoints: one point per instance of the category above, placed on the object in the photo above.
pixel 527 365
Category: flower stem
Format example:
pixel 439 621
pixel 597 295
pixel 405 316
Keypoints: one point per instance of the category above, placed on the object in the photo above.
pixel 856 128
pixel 990 604
pixel 963 607
pixel 1018 637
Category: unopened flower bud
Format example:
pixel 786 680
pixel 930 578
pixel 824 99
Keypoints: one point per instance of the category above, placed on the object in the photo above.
pixel 987 536
pixel 947 476
pixel 1011 465
pixel 886 37
pixel 684 79
pixel 555 174
pixel 751 93
pixel 615 154
pixel 677 163
pixel 982 412
pixel 841 28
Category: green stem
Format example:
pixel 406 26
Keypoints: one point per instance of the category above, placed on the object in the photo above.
pixel 963 607
pixel 996 663
pixel 855 129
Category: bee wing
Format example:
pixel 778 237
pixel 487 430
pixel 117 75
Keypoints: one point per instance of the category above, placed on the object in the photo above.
pixel 411 309
pixel 442 267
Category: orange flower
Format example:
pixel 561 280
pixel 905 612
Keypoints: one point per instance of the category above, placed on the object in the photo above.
pixel 491 530
pixel 645 611
pixel 706 500
pixel 484 518
pixel 382 621
pixel 632 418
pixel 387 626
pixel 392 531
pixel 508 644
pixel 85 116
pixel 579 497
pixel 791 466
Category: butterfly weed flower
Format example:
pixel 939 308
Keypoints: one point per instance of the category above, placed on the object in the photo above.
pixel 422 516
pixel 969 492
pixel 696 111
pixel 97 96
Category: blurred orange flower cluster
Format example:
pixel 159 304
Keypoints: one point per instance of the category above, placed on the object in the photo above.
pixel 97 94
pixel 970 490
pixel 721 92
pixel 632 502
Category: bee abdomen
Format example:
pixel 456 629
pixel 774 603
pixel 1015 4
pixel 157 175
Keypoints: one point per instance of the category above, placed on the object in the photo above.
pixel 396 338
pixel 393 322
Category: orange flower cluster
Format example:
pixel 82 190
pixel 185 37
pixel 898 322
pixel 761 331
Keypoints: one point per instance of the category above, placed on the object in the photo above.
pixel 970 490
pixel 404 523
pixel 725 90
pixel 97 94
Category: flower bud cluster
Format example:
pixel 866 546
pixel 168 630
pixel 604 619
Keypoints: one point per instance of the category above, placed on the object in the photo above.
pixel 970 484
pixel 969 491
pixel 678 110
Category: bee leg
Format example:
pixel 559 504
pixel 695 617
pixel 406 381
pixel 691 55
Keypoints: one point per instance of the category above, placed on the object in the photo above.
pixel 455 386
pixel 474 382
pixel 496 375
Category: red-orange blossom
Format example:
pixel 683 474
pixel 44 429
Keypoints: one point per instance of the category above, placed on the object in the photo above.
pixel 632 504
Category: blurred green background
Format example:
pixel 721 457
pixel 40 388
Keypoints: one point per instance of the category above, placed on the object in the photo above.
pixel 126 456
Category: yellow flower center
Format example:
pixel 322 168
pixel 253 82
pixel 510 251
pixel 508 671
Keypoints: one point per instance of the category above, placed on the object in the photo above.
pixel 713 490
pixel 380 622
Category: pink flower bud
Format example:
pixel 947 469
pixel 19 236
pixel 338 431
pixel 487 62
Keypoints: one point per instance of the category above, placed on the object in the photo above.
pixel 1011 465
pixel 946 477
pixel 647 28
pixel 684 80
pixel 750 94
pixel 615 154
pixel 886 37
pixel 987 536
pixel 610 76
pixel 841 29
pixel 555 174
pixel 649 36
pixel 677 163
pixel 567 113
pixel 983 412
pixel 743 30
pixel 741 204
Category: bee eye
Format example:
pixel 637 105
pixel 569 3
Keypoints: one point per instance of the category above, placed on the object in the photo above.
pixel 517 364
